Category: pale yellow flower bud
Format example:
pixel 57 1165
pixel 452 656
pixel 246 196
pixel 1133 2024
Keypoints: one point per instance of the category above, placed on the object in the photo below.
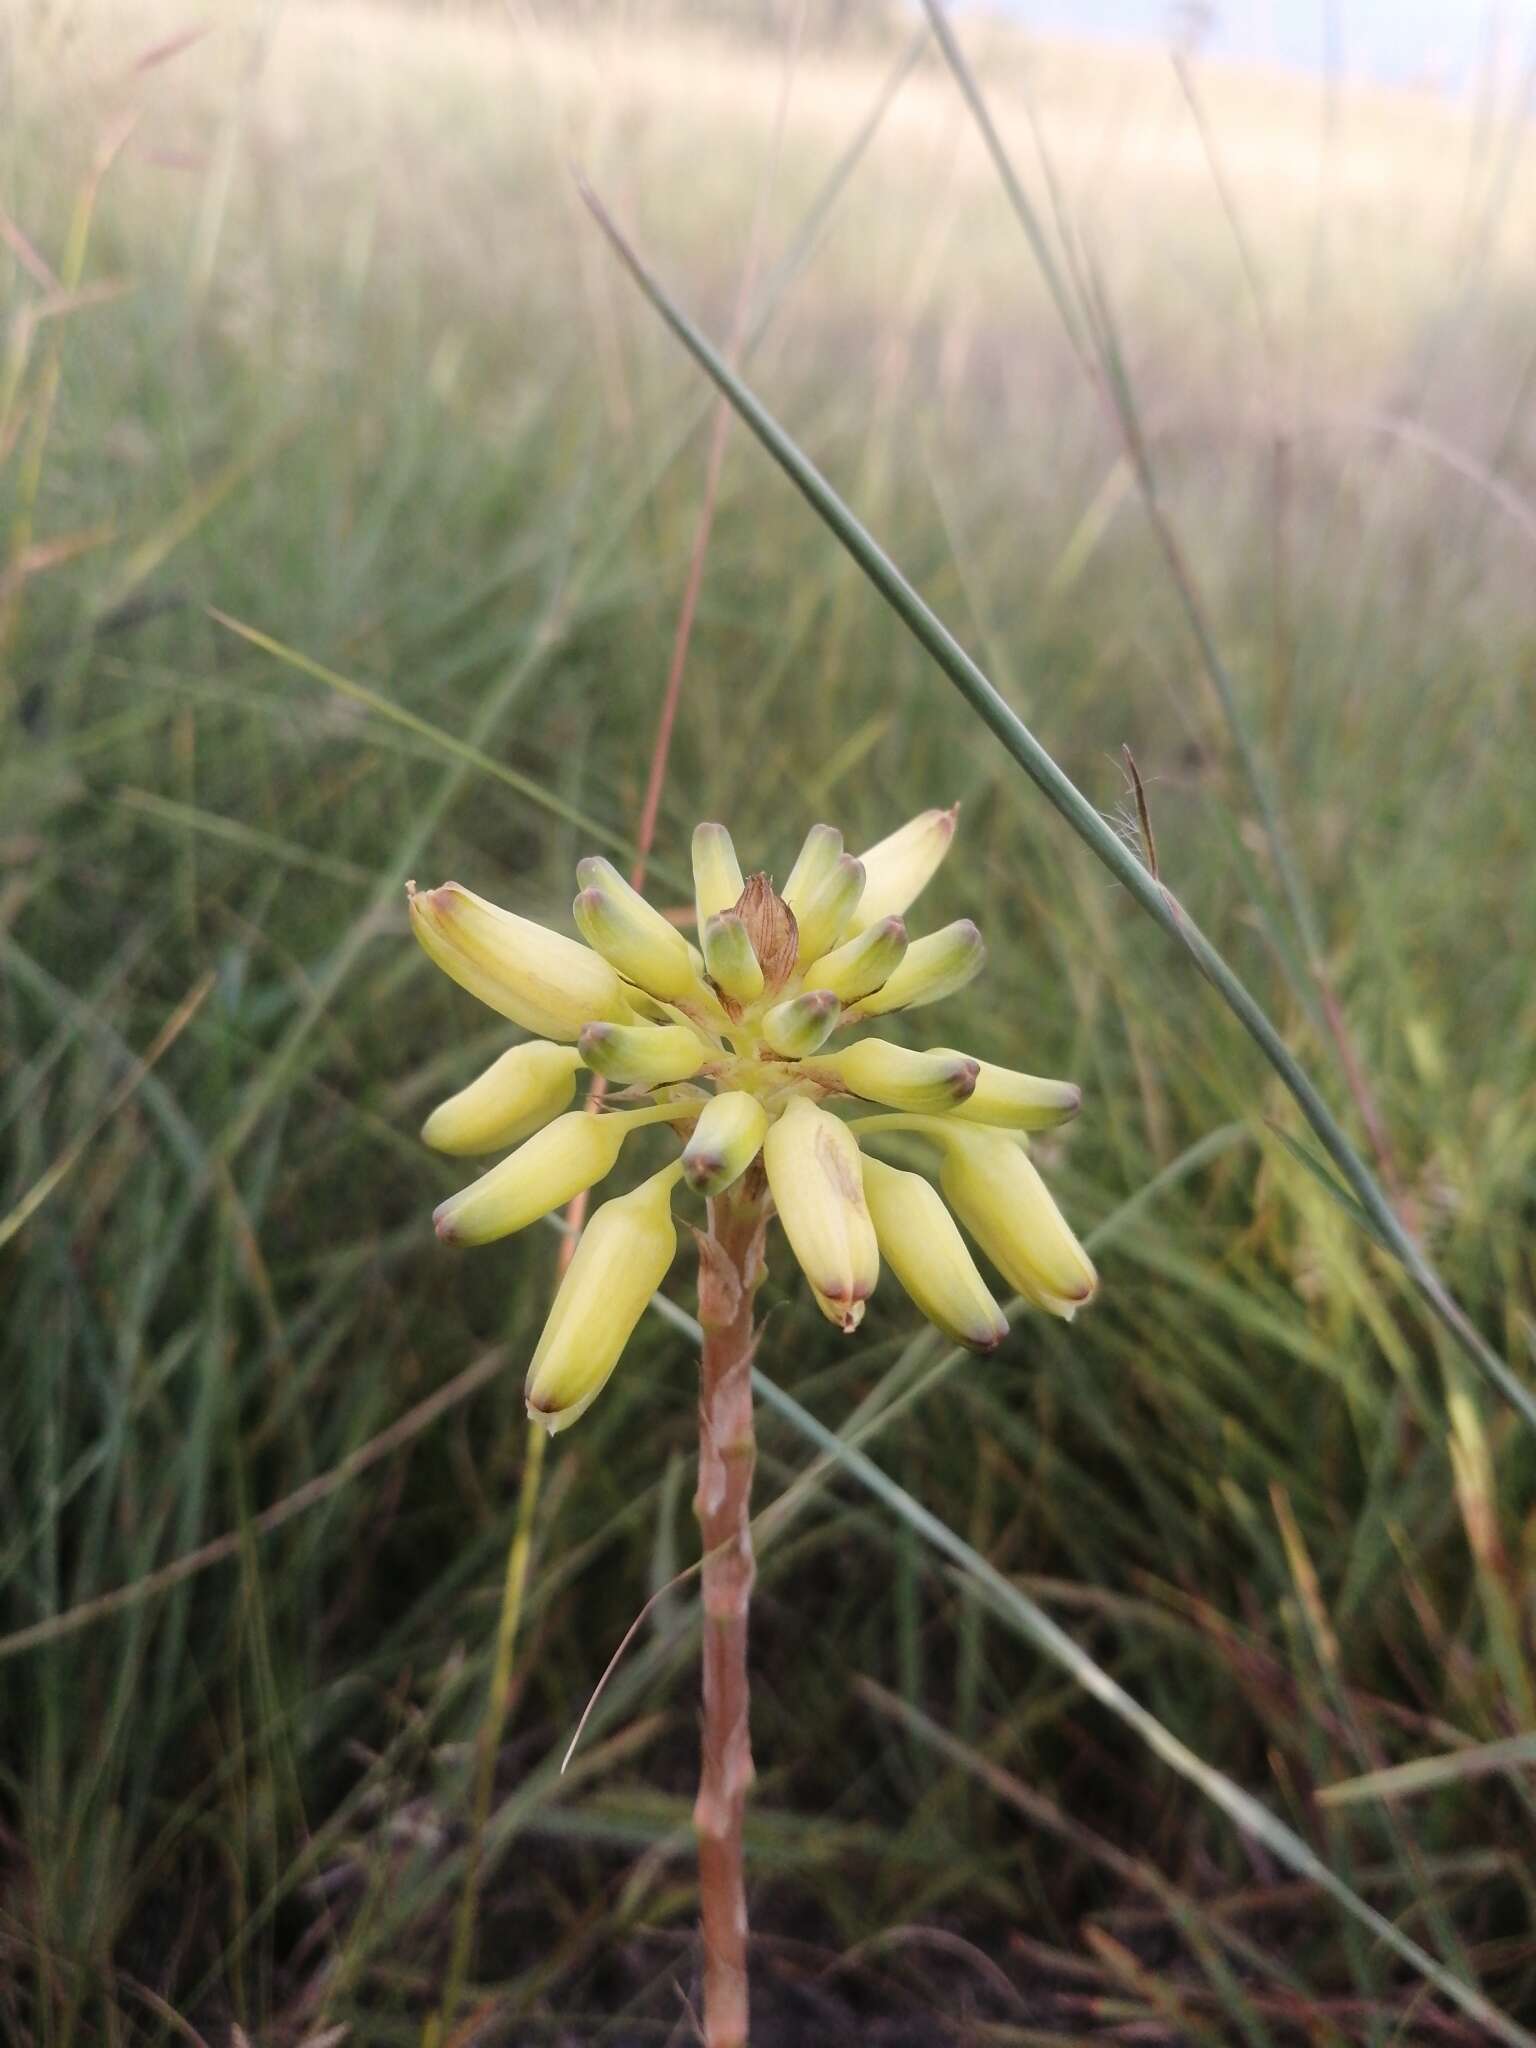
pixel 901 866
pixel 514 1096
pixel 861 965
pixel 545 982
pixel 572 1153
pixel 994 1189
pixel 632 934
pixel 726 1139
pixel 816 859
pixel 733 966
pixel 717 879
pixel 919 1242
pixel 620 1262
pixel 796 1027
pixel 643 1055
pixel 813 1172
pixel 824 912
pixel 921 1081
pixel 1018 1102
pixel 934 967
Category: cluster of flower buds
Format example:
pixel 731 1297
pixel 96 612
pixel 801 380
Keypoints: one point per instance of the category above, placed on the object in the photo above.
pixel 729 1043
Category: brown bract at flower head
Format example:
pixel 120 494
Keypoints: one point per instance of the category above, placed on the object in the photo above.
pixel 733 1045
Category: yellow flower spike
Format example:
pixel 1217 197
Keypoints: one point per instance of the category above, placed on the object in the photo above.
pixel 717 878
pixel 816 859
pixel 921 1081
pixel 572 1153
pixel 543 981
pixel 631 935
pixel 934 967
pixel 620 1262
pixel 728 955
pixel 1017 1102
pixel 901 866
pixel 861 965
pixel 994 1189
pixel 795 1028
pixel 513 1097
pixel 726 1139
pixel 823 916
pixel 643 1055
pixel 812 1159
pixel 919 1242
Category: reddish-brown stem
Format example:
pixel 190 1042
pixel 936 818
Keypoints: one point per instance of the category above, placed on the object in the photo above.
pixel 730 1266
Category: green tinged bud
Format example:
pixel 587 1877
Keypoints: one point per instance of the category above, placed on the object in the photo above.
pixel 902 865
pixel 919 1242
pixel 795 1028
pixel 825 912
pixel 513 1097
pixel 717 879
pixel 926 1082
pixel 994 1189
pixel 631 934
pixel 572 1153
pixel 934 967
pixel 643 1055
pixel 1018 1102
pixel 812 1159
pixel 728 955
pixel 859 966
pixel 620 1262
pixel 726 1139
pixel 815 861
pixel 543 981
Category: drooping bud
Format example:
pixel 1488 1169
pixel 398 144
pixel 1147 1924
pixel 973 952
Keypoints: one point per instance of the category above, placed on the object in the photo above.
pixel 1018 1102
pixel 927 1082
pixel 572 1153
pixel 728 955
pixel 994 1189
pixel 630 933
pixel 828 909
pixel 716 872
pixel 859 966
pixel 643 1055
pixel 547 983
pixel 771 926
pixel 919 1242
pixel 813 1172
pixel 620 1262
pixel 813 863
pixel 726 1139
pixel 901 866
pixel 514 1096
pixel 796 1028
pixel 934 967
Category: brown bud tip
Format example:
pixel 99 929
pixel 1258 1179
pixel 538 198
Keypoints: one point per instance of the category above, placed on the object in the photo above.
pixel 772 929
pixel 1071 1099
pixel 988 1341
pixel 442 1223
pixel 702 1168
pixel 966 1072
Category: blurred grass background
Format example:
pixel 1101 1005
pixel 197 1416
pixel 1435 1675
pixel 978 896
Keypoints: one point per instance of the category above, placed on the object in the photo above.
pixel 304 325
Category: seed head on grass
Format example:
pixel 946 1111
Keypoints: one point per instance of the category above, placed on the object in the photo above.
pixel 730 1044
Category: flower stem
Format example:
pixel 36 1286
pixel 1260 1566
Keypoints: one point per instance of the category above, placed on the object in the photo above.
pixel 730 1266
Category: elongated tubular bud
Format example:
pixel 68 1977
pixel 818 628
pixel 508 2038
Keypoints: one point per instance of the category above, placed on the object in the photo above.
pixel 919 1242
pixel 513 1097
pixel 726 1139
pixel 542 980
pixel 728 954
pixel 631 934
pixel 643 1055
pixel 934 967
pixel 815 861
pixel 620 1262
pixel 1017 1102
pixel 795 1028
pixel 829 907
pixel 813 1171
pixel 927 1082
pixel 901 866
pixel 717 880
pixel 572 1153
pixel 859 966
pixel 994 1189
